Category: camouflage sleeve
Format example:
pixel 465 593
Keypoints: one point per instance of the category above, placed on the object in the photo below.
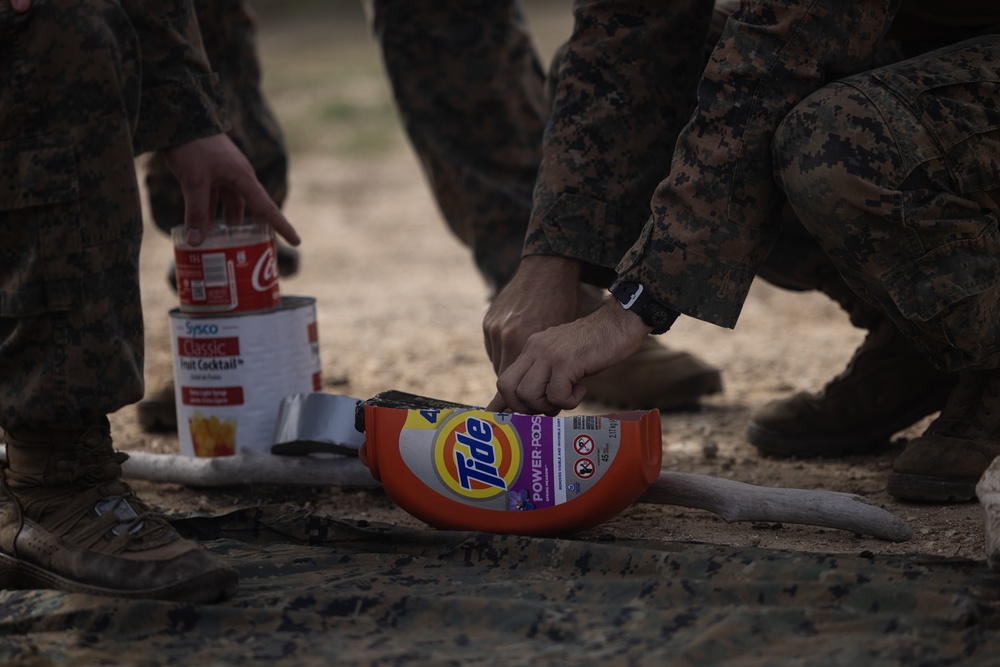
pixel 180 98
pixel 712 221
pixel 623 88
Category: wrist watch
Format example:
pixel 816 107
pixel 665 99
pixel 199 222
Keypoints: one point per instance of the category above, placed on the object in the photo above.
pixel 633 296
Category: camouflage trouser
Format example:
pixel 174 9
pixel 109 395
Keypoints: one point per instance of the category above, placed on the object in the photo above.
pixel 894 172
pixel 229 32
pixel 70 317
pixel 470 90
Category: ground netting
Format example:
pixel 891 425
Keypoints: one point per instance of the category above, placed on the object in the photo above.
pixel 324 591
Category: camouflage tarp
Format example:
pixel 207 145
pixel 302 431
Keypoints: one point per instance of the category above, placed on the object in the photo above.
pixel 317 590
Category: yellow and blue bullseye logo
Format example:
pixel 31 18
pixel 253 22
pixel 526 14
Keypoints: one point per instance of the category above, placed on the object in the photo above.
pixel 476 457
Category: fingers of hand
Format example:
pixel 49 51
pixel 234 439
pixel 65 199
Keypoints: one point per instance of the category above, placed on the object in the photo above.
pixel 233 208
pixel 504 341
pixel 539 382
pixel 497 404
pixel 264 207
pixel 198 200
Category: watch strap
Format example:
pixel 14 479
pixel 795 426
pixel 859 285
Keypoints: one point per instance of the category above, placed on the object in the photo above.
pixel 634 296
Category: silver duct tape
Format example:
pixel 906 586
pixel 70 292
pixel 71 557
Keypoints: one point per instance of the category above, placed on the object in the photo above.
pixel 317 423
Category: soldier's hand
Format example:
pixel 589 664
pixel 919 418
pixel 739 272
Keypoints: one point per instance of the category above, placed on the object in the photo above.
pixel 543 293
pixel 20 6
pixel 547 377
pixel 213 171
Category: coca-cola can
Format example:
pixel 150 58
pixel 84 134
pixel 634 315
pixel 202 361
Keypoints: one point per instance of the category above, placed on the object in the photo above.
pixel 235 269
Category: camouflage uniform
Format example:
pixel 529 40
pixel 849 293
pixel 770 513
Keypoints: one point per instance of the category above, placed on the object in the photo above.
pixel 229 32
pixel 890 169
pixel 475 120
pixel 602 163
pixel 88 86
pixel 72 120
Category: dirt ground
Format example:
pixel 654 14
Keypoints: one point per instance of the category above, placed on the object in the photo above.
pixel 400 307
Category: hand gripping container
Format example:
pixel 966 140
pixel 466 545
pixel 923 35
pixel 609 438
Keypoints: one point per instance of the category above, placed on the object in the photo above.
pixel 460 467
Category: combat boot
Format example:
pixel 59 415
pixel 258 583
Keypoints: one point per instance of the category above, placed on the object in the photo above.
pixel 944 464
pixel 887 386
pixel 655 377
pixel 67 521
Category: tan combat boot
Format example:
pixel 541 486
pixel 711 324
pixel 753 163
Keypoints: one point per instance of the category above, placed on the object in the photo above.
pixel 887 386
pixel 654 377
pixel 68 522
pixel 944 464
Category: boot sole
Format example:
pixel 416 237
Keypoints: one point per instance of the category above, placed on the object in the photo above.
pixel 205 589
pixel 904 486
pixel 865 441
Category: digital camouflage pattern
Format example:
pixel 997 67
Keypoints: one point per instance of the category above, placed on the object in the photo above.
pixel 622 92
pixel 229 33
pixel 907 206
pixel 316 590
pixel 469 88
pixel 80 99
pixel 471 93
pixel 896 235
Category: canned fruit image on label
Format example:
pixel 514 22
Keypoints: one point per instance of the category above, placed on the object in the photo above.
pixel 212 436
pixel 234 270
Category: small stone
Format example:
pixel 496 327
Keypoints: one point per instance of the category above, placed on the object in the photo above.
pixel 710 449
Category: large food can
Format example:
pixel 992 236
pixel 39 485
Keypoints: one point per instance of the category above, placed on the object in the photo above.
pixel 234 270
pixel 231 373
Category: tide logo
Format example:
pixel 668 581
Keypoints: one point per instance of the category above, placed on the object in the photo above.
pixel 475 457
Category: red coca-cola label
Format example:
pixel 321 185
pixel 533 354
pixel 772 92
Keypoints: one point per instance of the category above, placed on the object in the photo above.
pixel 232 279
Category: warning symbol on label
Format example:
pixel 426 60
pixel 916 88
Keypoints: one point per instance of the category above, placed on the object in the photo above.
pixel 584 468
pixel 583 444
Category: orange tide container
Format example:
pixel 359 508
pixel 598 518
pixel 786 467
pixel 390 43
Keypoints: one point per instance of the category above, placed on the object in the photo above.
pixel 468 469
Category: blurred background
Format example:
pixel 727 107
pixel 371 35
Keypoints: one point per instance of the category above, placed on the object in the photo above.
pixel 323 73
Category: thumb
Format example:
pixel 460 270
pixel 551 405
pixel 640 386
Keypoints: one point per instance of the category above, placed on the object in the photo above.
pixel 197 202
pixel 497 404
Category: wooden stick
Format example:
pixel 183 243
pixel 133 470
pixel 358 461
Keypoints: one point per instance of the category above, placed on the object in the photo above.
pixel 732 501
pixel 249 468
pixel 738 501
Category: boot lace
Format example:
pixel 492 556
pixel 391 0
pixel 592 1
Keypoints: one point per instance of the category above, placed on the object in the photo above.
pixel 87 504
